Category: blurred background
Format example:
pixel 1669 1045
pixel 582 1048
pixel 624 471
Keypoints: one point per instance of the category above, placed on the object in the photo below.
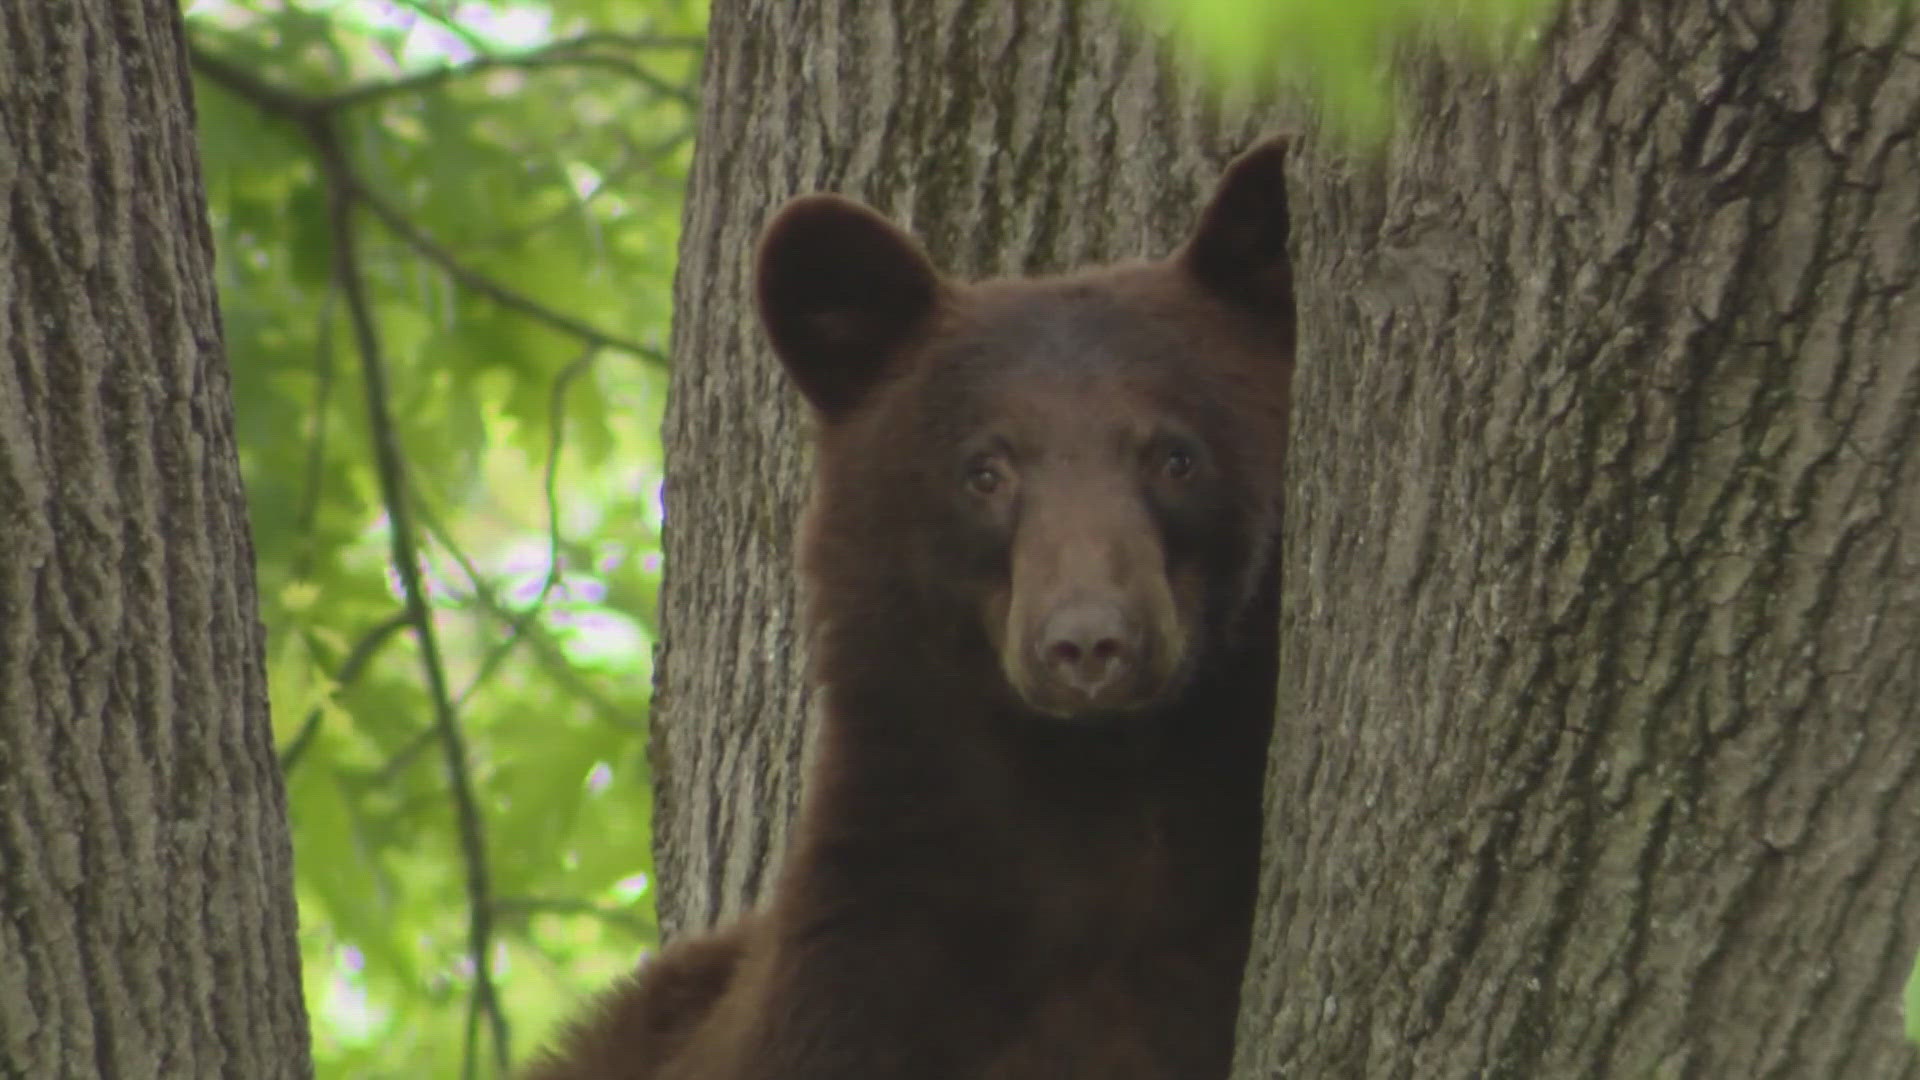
pixel 523 167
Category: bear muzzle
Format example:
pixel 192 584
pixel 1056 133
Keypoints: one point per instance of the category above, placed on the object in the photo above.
pixel 1090 652
pixel 1092 657
pixel 1092 627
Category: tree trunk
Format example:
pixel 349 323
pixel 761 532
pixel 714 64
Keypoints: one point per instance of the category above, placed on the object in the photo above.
pixel 145 868
pixel 1600 718
pixel 987 128
pixel 1601 668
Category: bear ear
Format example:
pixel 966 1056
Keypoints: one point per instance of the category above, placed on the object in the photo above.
pixel 840 291
pixel 1239 252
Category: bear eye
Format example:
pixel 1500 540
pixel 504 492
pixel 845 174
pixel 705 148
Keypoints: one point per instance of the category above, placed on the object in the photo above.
pixel 983 477
pixel 1176 461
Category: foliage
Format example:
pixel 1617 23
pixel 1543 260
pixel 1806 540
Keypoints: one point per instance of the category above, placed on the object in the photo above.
pixel 446 234
pixel 1341 52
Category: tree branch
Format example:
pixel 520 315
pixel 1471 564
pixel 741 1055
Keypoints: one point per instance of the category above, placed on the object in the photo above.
pixel 585 50
pixel 552 660
pixel 445 19
pixel 630 921
pixel 315 480
pixel 391 468
pixel 357 659
pixel 312 115
pixel 474 281
pixel 631 159
pixel 556 426
pixel 268 97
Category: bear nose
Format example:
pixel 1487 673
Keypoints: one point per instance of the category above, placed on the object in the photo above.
pixel 1088 646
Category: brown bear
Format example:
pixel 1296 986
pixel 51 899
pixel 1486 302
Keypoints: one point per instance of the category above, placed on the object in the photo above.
pixel 1041 566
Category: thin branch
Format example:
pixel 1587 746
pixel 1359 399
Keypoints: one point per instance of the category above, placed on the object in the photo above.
pixel 685 95
pixel 614 39
pixel 474 281
pixel 446 21
pixel 585 50
pixel 391 468
pixel 317 445
pixel 312 116
pixel 552 660
pixel 630 921
pixel 556 441
pixel 268 97
pixel 357 659
pixel 632 160
pixel 555 663
pixel 519 632
pixel 398 763
pixel 556 426
pixel 517 623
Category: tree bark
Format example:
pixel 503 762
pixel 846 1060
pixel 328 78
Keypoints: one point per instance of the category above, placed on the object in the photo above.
pixel 147 924
pixel 1601 650
pixel 990 130
pixel 1599 726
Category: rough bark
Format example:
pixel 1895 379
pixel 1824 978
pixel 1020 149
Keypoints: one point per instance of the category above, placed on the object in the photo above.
pixel 1012 136
pixel 146 896
pixel 1600 732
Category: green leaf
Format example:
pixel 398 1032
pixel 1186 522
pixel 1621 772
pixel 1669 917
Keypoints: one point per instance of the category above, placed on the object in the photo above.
pixel 1913 1003
pixel 1342 53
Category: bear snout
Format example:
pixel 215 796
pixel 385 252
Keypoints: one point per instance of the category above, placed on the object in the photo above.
pixel 1092 624
pixel 1090 649
pixel 1092 656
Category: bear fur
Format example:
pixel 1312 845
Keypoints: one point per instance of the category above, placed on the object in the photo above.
pixel 1041 566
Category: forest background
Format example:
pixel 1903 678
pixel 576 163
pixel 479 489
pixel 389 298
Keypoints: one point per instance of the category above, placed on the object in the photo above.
pixel 521 168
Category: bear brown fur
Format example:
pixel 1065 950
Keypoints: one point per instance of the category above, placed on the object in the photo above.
pixel 1041 566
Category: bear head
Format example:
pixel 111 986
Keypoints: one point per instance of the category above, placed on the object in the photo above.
pixel 1065 491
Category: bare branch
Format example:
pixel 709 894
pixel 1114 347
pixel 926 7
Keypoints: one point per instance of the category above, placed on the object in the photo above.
pixel 403 758
pixel 357 659
pixel 633 922
pixel 272 99
pixel 442 15
pixel 472 279
pixel 613 178
pixel 312 115
pixel 391 468
pixel 556 426
pixel 315 480
pixel 639 42
pixel 544 648
pixel 586 50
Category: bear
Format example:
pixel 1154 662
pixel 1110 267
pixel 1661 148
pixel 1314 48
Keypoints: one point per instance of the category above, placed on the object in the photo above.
pixel 1040 569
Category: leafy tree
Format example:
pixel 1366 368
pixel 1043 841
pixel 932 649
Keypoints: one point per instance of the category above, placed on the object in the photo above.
pixel 1600 724
pixel 446 235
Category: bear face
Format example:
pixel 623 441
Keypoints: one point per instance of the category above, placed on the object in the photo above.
pixel 1075 479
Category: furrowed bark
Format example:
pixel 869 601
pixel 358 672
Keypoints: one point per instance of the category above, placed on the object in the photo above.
pixel 1601 678
pixel 146 901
